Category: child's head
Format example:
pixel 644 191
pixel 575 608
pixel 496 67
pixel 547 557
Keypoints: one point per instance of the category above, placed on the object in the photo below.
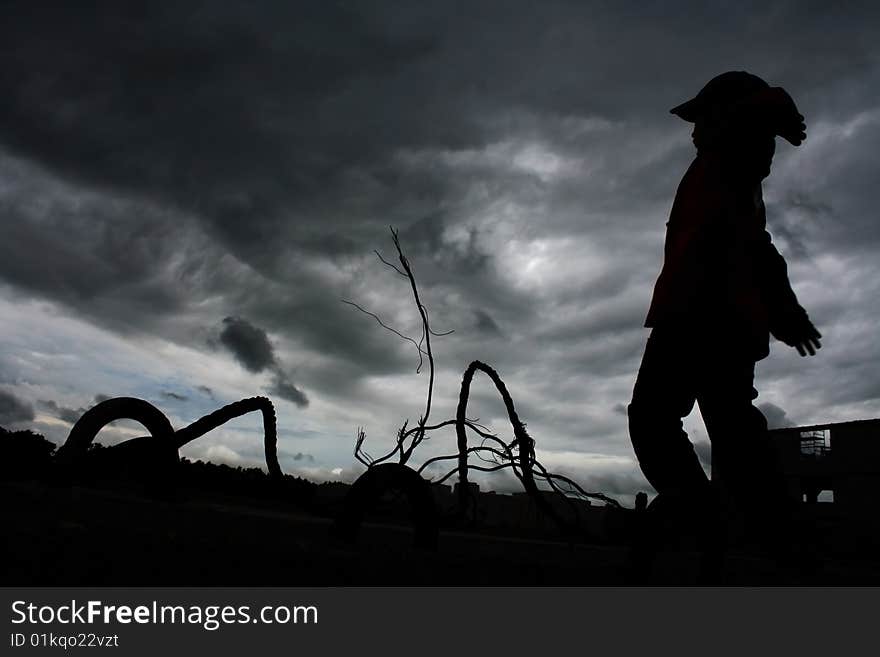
pixel 744 149
pixel 737 115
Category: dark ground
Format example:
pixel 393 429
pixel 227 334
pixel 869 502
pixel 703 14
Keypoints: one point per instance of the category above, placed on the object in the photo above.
pixel 90 536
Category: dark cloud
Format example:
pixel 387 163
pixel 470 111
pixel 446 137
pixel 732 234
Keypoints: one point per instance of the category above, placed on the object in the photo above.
pixel 251 347
pixel 249 344
pixel 286 390
pixel 70 415
pixel 186 95
pixel 14 410
pixel 427 241
pixel 169 394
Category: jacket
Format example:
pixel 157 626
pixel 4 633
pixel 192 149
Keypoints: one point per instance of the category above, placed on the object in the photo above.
pixel 722 276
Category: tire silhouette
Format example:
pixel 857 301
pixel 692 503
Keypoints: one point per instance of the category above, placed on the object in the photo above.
pixel 151 458
pixel 119 408
pixel 369 488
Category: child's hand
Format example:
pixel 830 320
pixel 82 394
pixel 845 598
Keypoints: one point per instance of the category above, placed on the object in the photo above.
pixel 808 341
pixel 795 329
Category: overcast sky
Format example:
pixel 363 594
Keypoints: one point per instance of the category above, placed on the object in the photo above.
pixel 188 190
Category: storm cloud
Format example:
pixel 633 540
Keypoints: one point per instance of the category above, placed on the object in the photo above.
pixel 181 175
pixel 251 347
pixel 14 410
pixel 249 344
pixel 65 413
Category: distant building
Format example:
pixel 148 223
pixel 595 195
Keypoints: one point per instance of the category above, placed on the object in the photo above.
pixel 837 462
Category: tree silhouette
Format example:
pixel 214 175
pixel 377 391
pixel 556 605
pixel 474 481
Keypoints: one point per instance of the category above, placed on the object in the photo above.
pixel 24 454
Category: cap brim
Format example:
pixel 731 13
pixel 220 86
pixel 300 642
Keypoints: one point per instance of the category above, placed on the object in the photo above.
pixel 689 111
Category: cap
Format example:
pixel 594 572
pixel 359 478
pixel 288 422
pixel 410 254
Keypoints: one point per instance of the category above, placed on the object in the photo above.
pixel 751 99
pixel 720 92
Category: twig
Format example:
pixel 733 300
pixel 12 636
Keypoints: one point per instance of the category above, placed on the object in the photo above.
pixel 393 330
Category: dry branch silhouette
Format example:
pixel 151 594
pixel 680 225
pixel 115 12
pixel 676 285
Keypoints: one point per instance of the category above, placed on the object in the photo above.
pixel 518 455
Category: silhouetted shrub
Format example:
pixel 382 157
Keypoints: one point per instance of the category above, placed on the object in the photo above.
pixel 24 454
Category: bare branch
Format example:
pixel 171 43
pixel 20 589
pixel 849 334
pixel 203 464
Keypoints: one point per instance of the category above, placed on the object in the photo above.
pixel 393 330
pixel 385 262
pixel 517 455
pixel 503 466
